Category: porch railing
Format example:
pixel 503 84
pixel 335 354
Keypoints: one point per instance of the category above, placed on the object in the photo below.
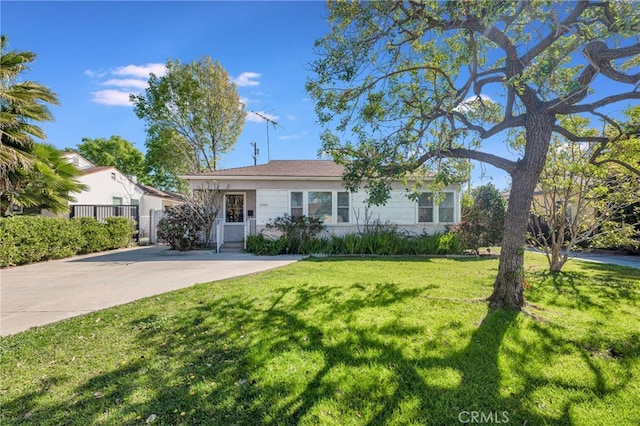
pixel 219 224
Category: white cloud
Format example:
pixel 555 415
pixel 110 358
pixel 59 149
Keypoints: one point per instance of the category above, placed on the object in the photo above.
pixel 141 71
pixel 467 103
pixel 111 97
pixel 95 74
pixel 247 79
pixel 135 78
pixel 293 137
pixel 256 116
pixel 126 82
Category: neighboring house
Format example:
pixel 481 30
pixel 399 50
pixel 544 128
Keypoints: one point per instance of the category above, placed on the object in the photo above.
pixel 256 194
pixel 109 186
pixel 543 203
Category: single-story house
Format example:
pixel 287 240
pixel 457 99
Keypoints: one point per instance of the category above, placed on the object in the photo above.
pixel 256 194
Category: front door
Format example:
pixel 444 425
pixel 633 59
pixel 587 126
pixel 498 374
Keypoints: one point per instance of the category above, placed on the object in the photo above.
pixel 234 213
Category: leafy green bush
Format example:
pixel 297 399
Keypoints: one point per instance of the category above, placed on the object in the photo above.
pixel 345 244
pixel 18 241
pixel 120 230
pixel 378 242
pixel 425 244
pixel 449 243
pixel 260 244
pixel 64 239
pixel 296 231
pixel 612 235
pixel 318 246
pixel 28 239
pixel 95 233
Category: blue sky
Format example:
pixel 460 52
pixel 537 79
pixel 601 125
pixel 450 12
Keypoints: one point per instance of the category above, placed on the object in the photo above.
pixel 93 54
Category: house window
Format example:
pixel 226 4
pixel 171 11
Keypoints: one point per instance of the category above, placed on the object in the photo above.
pixel 234 208
pixel 329 206
pixel 343 207
pixel 296 205
pixel 445 209
pixel 427 212
pixel 425 207
pixel 117 201
pixel 135 202
pixel 321 206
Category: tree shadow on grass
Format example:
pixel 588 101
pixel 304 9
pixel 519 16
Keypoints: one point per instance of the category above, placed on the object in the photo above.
pixel 594 286
pixel 308 355
pixel 401 258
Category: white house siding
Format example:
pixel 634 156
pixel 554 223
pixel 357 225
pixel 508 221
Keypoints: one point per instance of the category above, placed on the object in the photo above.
pixel 102 188
pixel 270 203
pixel 399 211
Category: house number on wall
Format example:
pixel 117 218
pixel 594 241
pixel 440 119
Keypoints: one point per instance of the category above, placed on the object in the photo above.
pixel 264 205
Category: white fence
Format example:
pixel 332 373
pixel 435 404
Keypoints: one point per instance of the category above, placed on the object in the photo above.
pixel 154 218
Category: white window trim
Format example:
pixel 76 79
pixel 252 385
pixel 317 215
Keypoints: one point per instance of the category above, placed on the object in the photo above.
pixel 436 210
pixel 334 204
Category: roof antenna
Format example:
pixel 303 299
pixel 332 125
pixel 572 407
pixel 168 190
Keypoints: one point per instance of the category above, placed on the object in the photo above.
pixel 268 121
pixel 256 151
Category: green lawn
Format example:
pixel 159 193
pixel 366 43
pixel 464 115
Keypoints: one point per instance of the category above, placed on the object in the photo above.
pixel 343 342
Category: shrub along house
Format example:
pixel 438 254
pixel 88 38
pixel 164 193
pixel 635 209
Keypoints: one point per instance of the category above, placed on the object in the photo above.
pixel 256 194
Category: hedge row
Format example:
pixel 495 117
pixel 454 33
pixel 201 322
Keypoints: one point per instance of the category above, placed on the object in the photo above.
pixel 383 243
pixel 27 239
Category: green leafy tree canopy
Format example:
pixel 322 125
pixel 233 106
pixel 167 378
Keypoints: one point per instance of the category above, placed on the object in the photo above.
pixel 406 86
pixel 196 109
pixel 116 152
pixel 484 216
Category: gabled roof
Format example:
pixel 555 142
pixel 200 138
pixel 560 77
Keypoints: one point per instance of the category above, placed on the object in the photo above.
pixel 97 169
pixel 149 190
pixel 77 160
pixel 282 168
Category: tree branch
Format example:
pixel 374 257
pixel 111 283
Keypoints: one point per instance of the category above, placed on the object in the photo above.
pixel 494 160
pixel 505 124
pixel 577 138
pixel 562 28
pixel 575 109
pixel 600 56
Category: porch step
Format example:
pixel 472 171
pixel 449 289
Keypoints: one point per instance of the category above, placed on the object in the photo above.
pixel 233 247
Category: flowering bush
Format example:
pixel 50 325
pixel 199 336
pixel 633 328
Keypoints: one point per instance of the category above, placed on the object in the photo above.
pixel 182 227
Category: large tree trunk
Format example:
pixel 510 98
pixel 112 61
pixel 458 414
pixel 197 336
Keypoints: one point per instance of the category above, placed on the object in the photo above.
pixel 508 289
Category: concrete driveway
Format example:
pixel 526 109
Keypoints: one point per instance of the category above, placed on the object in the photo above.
pixel 46 292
